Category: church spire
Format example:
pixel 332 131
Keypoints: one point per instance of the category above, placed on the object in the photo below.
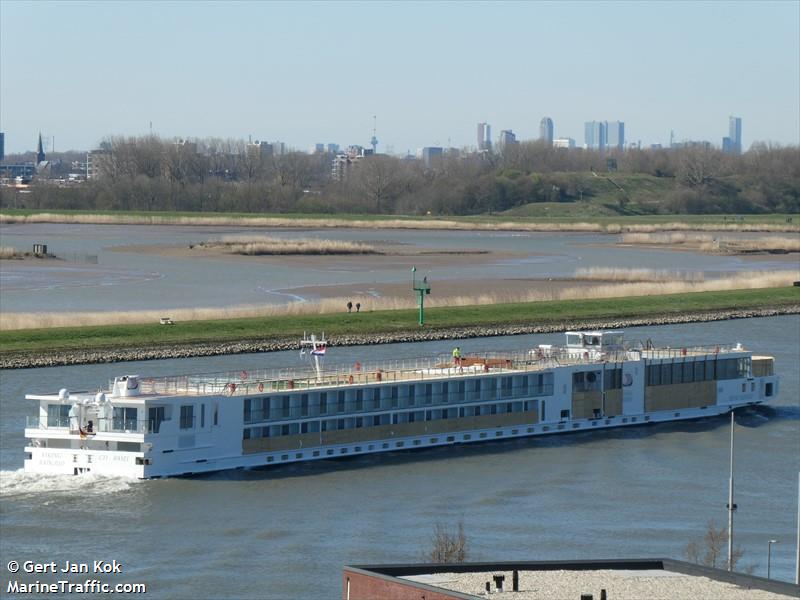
pixel 40 150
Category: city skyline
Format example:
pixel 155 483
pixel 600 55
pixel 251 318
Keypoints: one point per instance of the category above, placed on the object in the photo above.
pixel 263 70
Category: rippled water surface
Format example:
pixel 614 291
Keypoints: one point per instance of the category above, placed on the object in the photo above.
pixel 287 532
pixel 126 280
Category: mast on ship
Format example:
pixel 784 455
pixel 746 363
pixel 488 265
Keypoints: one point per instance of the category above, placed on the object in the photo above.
pixel 315 349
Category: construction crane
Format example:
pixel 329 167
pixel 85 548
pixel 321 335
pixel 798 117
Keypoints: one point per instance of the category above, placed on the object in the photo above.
pixel 374 140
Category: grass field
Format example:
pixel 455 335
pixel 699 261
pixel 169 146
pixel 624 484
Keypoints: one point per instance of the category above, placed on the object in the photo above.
pixel 368 323
pixel 578 218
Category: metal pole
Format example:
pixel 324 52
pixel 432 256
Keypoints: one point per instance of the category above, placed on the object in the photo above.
pixel 731 507
pixel 797 555
pixel 769 556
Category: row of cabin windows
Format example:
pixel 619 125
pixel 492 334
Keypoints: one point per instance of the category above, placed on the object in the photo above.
pixel 697 370
pixel 416 416
pixel 589 381
pixel 396 396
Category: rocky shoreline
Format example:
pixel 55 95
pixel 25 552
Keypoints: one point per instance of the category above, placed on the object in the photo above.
pixel 23 360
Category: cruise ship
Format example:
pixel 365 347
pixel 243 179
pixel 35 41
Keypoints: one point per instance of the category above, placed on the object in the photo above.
pixel 155 427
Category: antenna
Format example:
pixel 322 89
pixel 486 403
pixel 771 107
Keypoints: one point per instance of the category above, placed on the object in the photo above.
pixel 374 140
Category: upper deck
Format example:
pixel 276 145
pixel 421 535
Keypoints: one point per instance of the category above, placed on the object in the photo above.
pixel 265 381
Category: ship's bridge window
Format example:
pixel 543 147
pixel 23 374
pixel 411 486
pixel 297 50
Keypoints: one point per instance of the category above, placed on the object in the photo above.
pixel 592 340
pixel 574 339
pixel 187 416
pixel 58 415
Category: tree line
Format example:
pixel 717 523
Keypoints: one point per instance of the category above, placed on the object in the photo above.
pixel 150 173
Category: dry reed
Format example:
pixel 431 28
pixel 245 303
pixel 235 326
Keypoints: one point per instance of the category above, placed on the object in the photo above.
pixel 432 224
pixel 260 245
pixel 721 244
pixel 8 252
pixel 635 275
pixel 743 280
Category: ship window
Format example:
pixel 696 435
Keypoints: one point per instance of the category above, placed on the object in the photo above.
pixel 768 389
pixel 565 414
pixel 359 399
pixel 574 339
pixel 376 420
pixel 248 410
pixel 340 401
pixel 323 403
pixel 58 415
pixel 666 374
pixel 688 372
pixel 216 414
pixel 411 417
pixel 246 434
pixel 202 415
pixel 393 392
pixel 411 397
pixel 744 387
pixel 506 383
pixel 428 393
pixel 699 370
pixel 359 422
pixel 304 405
pixel 124 418
pixel 187 416
pixel 523 388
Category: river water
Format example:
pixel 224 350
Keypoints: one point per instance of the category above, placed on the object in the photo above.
pixel 287 532
pixel 126 280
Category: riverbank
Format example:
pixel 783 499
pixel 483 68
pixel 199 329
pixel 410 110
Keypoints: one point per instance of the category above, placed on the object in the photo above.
pixel 495 222
pixel 85 345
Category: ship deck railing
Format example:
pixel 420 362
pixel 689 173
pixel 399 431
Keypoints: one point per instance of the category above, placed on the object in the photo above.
pixel 266 381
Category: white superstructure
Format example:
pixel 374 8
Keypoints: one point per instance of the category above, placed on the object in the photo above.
pixel 165 426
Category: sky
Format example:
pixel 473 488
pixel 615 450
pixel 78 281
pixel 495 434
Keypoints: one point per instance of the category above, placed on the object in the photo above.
pixel 307 72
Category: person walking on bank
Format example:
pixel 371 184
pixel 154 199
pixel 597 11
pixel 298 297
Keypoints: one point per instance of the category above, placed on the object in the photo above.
pixel 349 306
pixel 358 306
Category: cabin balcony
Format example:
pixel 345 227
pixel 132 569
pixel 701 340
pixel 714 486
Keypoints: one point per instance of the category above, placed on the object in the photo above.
pixel 69 426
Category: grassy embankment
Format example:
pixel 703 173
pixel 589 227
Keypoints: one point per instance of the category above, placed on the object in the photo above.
pixel 380 322
pixel 546 216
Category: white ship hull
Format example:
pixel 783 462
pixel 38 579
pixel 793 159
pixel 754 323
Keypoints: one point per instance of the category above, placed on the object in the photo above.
pixel 192 424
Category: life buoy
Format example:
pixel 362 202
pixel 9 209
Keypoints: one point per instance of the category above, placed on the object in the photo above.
pixel 350 379
pixel 261 387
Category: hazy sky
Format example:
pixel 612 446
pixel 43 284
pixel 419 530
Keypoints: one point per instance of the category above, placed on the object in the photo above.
pixel 317 72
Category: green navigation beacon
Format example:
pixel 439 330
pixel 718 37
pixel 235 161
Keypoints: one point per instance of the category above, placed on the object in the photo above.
pixel 421 288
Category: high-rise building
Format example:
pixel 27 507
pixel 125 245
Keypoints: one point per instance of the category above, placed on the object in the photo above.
pixel 507 138
pixel 484 137
pixel 735 135
pixel 431 155
pixel 595 135
pixel 615 134
pixel 546 131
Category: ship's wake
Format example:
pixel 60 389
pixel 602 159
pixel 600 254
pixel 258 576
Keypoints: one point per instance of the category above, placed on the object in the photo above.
pixel 19 483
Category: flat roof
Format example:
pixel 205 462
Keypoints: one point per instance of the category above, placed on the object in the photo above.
pixel 628 579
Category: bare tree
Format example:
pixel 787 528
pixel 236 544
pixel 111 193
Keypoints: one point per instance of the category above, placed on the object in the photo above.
pixel 711 550
pixel 448 546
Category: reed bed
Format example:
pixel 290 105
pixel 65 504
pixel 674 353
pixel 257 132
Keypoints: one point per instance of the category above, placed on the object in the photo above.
pixel 743 280
pixel 9 252
pixel 260 246
pixel 721 244
pixel 399 223
pixel 636 275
